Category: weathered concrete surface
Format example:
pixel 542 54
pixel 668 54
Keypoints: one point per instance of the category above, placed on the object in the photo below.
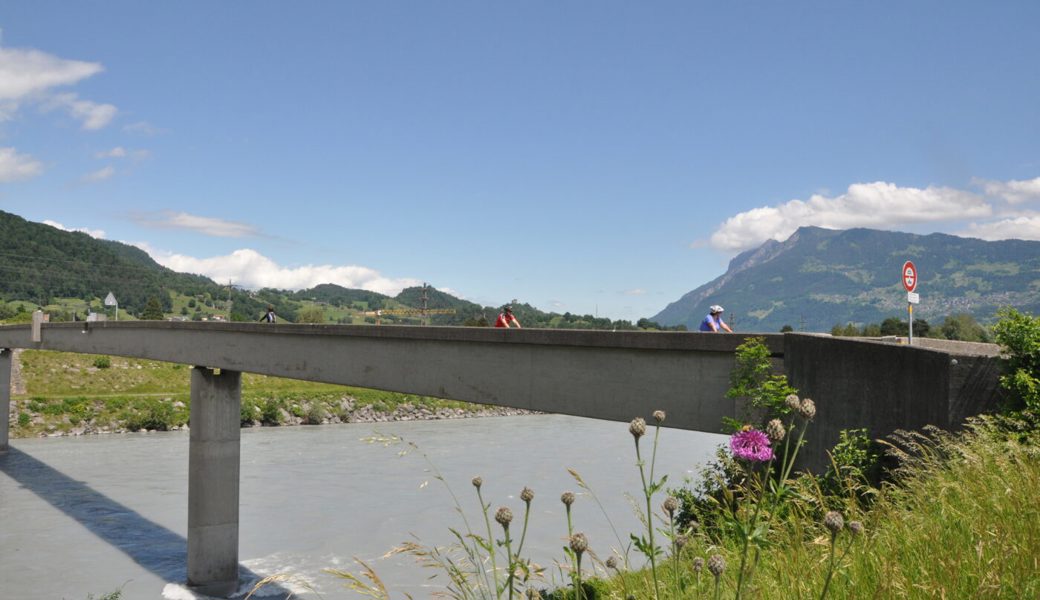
pixel 5 397
pixel 884 386
pixel 599 374
pixel 213 481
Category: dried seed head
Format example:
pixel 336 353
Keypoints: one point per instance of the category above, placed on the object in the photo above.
pixel 698 564
pixel 637 428
pixel 612 563
pixel 855 527
pixel 659 416
pixel 716 564
pixel 527 495
pixel 793 402
pixel 670 505
pixel 477 482
pixel 579 543
pixel 567 498
pixel 775 430
pixel 807 409
pixel 833 521
pixel 533 594
pixel 681 541
pixel 504 516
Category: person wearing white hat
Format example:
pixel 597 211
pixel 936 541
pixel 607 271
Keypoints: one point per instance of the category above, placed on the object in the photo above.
pixel 713 322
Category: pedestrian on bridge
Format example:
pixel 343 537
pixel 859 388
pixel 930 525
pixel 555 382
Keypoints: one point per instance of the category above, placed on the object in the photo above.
pixel 713 322
pixel 269 316
pixel 506 318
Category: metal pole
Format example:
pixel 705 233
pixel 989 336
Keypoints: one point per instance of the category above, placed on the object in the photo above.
pixel 910 309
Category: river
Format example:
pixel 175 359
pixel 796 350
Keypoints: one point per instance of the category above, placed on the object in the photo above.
pixel 93 514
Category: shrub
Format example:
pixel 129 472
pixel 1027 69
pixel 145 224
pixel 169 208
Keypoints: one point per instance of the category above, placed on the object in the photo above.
pixel 155 415
pixel 103 362
pixel 271 413
pixel 24 419
pixel 1019 336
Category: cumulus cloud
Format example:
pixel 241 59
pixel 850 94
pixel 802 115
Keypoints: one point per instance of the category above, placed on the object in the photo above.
pixel 1025 227
pixel 16 167
pixel 205 225
pixel 100 175
pixel 25 73
pixel 250 269
pixel 94 116
pixel 879 204
pixel 121 152
pixel 1013 192
pixel 94 233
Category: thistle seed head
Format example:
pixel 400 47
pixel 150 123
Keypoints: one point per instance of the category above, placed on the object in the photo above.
pixel 716 564
pixel 637 428
pixel 807 409
pixel 855 527
pixel 698 565
pixel 612 563
pixel 659 416
pixel 681 541
pixel 504 516
pixel 775 430
pixel 833 521
pixel 579 543
pixel 793 402
pixel 477 482
pixel 527 495
pixel 670 505
pixel 567 498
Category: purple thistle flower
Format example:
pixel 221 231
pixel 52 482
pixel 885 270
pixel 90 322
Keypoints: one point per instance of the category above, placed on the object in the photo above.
pixel 751 445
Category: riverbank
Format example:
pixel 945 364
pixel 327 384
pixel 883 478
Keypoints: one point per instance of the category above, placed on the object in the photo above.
pixel 59 394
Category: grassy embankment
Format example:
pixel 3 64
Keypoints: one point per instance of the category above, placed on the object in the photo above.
pixel 79 393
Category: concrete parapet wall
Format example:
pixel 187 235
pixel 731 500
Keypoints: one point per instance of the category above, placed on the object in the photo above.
pixel 882 386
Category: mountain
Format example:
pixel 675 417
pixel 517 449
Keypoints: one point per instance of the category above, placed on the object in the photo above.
pixel 821 277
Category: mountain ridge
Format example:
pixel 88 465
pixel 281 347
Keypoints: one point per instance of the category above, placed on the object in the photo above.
pixel 821 277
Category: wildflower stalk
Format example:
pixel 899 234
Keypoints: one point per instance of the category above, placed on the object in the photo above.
pixel 490 537
pixel 638 428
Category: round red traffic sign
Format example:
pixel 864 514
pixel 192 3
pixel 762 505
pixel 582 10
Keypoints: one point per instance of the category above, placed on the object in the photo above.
pixel 909 276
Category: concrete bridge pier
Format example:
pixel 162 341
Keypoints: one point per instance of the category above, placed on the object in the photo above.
pixel 213 481
pixel 5 396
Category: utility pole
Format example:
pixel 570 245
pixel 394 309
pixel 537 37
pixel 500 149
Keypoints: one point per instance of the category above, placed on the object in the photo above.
pixel 229 300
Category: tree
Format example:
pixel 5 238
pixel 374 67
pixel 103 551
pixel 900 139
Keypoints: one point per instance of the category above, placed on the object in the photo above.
pixel 963 327
pixel 894 326
pixel 786 329
pixel 311 314
pixel 1019 336
pixel 152 310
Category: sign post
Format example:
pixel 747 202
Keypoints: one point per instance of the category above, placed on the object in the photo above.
pixel 110 300
pixel 910 278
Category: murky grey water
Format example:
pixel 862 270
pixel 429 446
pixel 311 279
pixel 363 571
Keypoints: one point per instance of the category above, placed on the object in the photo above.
pixel 93 514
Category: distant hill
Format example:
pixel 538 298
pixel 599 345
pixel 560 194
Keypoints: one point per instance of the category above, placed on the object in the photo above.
pixel 820 277
pixel 45 266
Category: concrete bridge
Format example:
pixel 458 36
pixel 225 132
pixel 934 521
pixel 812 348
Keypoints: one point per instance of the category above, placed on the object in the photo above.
pixel 599 374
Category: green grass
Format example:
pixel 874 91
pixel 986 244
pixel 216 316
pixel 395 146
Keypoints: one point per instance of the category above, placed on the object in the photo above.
pixel 67 392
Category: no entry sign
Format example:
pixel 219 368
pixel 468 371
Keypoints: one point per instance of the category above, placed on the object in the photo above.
pixel 909 276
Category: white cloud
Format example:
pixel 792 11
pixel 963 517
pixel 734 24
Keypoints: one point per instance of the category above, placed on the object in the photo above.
pixel 121 152
pixel 94 116
pixel 100 175
pixel 878 204
pixel 204 225
pixel 94 233
pixel 117 152
pixel 250 269
pixel 1025 227
pixel 1014 192
pixel 15 167
pixel 634 292
pixel 25 73
pixel 143 128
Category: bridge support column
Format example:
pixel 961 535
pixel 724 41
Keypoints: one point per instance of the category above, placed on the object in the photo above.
pixel 213 480
pixel 5 396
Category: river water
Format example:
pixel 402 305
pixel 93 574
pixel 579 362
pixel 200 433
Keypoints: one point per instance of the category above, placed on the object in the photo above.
pixel 93 514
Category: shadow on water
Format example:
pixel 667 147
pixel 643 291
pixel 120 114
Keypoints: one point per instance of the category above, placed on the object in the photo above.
pixel 154 547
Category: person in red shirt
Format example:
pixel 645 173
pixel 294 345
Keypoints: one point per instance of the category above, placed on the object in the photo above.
pixel 506 318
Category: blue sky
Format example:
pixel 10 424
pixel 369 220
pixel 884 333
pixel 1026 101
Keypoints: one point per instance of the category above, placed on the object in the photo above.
pixel 587 157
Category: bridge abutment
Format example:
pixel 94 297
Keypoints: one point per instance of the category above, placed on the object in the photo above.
pixel 213 481
pixel 5 396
